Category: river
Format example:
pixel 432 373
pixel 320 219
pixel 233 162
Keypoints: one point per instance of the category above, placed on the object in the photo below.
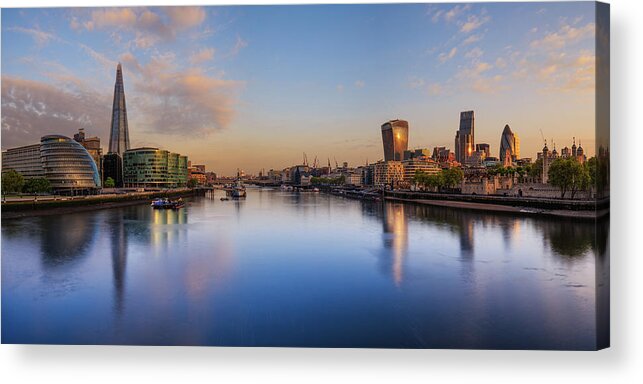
pixel 300 269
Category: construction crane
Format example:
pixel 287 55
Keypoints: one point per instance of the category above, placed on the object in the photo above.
pixel 305 159
pixel 543 137
pixel 315 163
pixel 336 164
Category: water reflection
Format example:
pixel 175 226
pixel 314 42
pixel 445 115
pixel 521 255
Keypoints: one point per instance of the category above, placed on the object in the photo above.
pixel 264 274
pixel 119 257
pixel 65 238
pixel 395 239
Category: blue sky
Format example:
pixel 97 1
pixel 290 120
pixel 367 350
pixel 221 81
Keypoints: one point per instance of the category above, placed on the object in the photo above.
pixel 255 86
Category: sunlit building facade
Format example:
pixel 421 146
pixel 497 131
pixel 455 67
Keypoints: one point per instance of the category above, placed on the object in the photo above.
pixel 509 142
pixel 153 168
pixel 68 166
pixel 24 160
pixel 395 137
pixel 425 165
pixel 465 137
pixel 388 173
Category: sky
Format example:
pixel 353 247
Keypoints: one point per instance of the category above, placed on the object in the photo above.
pixel 255 87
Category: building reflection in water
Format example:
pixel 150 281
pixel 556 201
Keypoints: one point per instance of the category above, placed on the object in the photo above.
pixel 395 238
pixel 66 238
pixel 119 257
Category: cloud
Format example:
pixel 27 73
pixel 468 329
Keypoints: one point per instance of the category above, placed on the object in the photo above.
pixel 238 46
pixel 167 99
pixel 446 56
pixel 475 53
pixel 472 39
pixel 99 57
pixel 566 35
pixel 501 63
pixel 149 25
pixel 31 109
pixel 359 84
pixel 454 12
pixel 111 17
pixel 340 88
pixel 205 54
pixel 40 37
pixel 185 17
pixel 474 22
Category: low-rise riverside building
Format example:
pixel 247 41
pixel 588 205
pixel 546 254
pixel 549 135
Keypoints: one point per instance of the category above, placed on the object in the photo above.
pixel 388 173
pixel 425 165
pixel 67 165
pixel 150 167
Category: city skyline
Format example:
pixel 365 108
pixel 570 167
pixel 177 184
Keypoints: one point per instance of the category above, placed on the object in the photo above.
pixel 214 84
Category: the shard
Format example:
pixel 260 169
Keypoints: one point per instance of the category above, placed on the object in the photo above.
pixel 119 134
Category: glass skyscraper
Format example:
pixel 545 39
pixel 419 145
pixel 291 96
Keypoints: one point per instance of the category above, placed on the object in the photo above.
pixel 119 134
pixel 465 137
pixel 509 142
pixel 395 137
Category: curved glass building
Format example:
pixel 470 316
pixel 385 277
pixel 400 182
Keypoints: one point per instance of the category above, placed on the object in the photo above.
pixel 509 142
pixel 67 165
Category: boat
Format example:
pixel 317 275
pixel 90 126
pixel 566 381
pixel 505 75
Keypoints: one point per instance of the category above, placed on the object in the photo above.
pixel 164 203
pixel 236 191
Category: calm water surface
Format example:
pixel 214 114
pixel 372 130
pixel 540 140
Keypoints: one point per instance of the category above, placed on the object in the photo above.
pixel 286 269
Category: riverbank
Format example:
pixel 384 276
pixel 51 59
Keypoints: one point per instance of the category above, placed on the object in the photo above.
pixel 509 209
pixel 18 209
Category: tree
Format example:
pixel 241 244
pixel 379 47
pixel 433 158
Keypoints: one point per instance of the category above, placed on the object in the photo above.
pixel 12 181
pixel 192 183
pixel 569 175
pixel 452 177
pixel 535 170
pixel 37 185
pixel 110 183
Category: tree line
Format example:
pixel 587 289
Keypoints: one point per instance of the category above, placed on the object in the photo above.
pixel 14 182
pixel 445 179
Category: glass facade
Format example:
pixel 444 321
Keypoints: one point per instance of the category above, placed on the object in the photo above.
pixel 24 160
pixel 154 168
pixel 395 137
pixel 67 165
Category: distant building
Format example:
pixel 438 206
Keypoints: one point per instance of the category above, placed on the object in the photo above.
pixel 395 137
pixel 546 164
pixel 353 178
pixel 443 155
pixel 509 142
pixel 485 148
pixel 210 177
pixel 150 167
pixel 424 164
pixel 113 168
pixel 416 153
pixel 24 160
pixel 465 137
pixel 65 163
pixel 197 172
pixel 388 173
pixel 92 145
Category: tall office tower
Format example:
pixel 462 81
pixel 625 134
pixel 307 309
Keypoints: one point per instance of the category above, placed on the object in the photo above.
pixel 510 142
pixel 395 137
pixel 119 134
pixel 465 137
pixel 484 148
